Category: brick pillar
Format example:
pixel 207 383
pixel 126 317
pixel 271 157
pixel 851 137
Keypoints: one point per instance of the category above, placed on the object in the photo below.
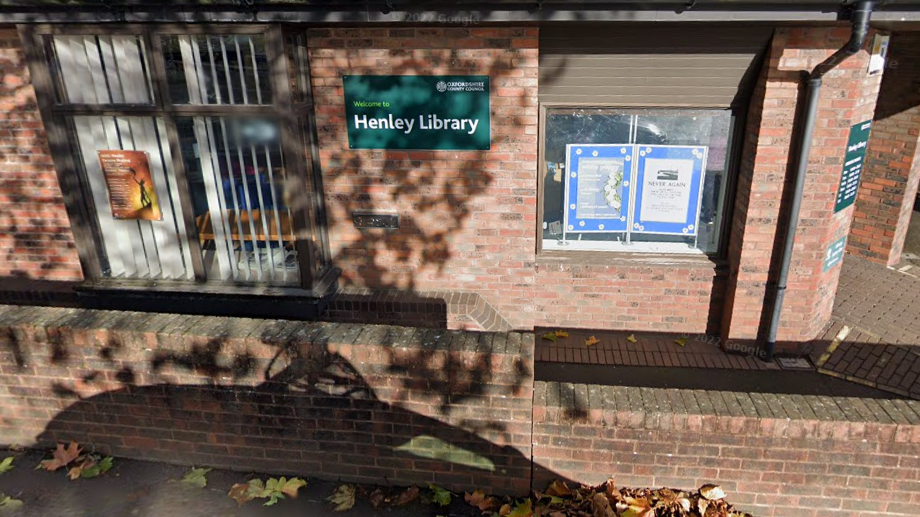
pixel 892 170
pixel 765 184
pixel 35 237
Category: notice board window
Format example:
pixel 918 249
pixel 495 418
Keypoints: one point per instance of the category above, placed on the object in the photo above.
pixel 648 180
pixel 638 130
pixel 186 155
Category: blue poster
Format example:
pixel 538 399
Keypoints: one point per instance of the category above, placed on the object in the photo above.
pixel 597 187
pixel 668 185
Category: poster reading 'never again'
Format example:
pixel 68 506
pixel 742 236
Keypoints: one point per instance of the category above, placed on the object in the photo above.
pixel 668 185
pixel 597 189
pixel 131 191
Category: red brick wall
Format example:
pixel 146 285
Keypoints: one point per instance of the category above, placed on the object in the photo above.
pixel 364 403
pixel 35 237
pixel 789 463
pixel 467 219
pixel 652 295
pixel 892 170
pixel 847 97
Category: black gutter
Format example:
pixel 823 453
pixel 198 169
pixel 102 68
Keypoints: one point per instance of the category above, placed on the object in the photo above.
pixel 860 19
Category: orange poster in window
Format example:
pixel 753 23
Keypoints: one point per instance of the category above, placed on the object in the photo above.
pixel 131 192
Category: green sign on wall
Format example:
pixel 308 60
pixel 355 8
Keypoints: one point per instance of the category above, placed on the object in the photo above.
pixel 853 165
pixel 834 253
pixel 441 112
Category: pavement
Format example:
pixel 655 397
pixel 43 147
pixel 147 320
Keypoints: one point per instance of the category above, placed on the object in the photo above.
pixel 147 489
pixel 874 338
pixel 615 348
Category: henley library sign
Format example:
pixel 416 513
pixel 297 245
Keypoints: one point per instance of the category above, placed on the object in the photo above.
pixel 417 112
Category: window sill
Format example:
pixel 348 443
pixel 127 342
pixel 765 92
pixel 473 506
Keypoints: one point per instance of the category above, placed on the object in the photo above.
pixel 324 286
pixel 631 259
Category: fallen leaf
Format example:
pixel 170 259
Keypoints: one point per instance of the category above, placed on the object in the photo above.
pixel 439 495
pixel 407 496
pixel 559 489
pixel 343 498
pixel 504 510
pixel 197 477
pixel 61 457
pixel 6 465
pixel 77 470
pixel 681 341
pixel 97 468
pixel 561 333
pixel 479 500
pixel 240 493
pixel 522 509
pixel 611 490
pixel 631 338
pixel 712 492
pixel 591 341
pixel 638 508
pixel 291 486
pixel 602 506
pixel 550 336
pixel 7 503
pixel 377 498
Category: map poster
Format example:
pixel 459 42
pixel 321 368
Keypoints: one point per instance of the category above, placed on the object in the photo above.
pixel 131 191
pixel 600 188
pixel 597 188
pixel 668 186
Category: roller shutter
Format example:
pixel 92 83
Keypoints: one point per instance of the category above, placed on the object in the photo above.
pixel 649 65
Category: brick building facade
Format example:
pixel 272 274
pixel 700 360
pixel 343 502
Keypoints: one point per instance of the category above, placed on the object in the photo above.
pixel 268 208
pixel 468 218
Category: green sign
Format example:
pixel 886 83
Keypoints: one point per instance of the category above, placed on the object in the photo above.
pixel 834 253
pixel 441 112
pixel 853 165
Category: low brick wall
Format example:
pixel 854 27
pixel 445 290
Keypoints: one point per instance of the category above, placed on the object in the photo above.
pixel 776 455
pixel 363 403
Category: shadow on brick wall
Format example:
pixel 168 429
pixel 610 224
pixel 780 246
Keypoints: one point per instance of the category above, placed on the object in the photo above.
pixel 362 403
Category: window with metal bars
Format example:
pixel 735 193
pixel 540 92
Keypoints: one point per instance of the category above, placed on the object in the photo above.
pixel 209 148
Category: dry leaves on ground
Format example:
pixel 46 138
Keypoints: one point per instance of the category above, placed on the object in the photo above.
pixel 81 465
pixel 606 500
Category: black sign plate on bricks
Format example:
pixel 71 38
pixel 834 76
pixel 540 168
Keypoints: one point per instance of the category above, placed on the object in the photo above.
pixel 385 221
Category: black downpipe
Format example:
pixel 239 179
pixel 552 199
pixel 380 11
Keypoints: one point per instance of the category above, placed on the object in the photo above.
pixel 860 19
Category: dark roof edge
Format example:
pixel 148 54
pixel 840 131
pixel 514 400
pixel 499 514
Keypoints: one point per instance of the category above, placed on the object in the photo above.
pixel 450 13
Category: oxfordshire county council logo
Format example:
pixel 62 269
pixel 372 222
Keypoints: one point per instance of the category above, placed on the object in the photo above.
pixel 441 86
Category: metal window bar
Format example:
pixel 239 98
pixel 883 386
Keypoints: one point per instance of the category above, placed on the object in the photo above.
pixel 242 69
pixel 255 69
pixel 276 211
